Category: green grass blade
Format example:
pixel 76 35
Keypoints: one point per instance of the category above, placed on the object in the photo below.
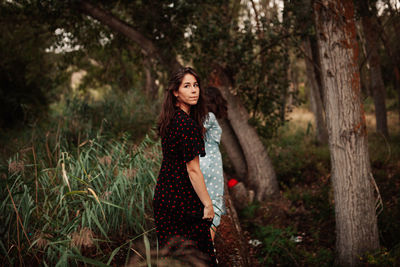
pixel 115 251
pixel 87 260
pixel 96 221
pixel 147 246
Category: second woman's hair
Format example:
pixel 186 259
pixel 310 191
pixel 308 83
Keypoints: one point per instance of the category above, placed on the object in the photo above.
pixel 216 103
pixel 197 112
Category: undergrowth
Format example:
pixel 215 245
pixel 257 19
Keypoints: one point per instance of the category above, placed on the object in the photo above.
pixel 76 187
pixel 299 230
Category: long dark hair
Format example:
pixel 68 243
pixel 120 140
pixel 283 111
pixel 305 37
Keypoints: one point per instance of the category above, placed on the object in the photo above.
pixel 216 103
pixel 197 112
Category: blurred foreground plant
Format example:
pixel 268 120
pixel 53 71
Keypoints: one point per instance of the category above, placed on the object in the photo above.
pixel 178 253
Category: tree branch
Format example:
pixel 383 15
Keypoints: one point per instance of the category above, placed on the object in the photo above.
pixel 120 26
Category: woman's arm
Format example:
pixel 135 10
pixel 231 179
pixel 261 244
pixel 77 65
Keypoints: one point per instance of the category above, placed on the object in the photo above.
pixel 197 180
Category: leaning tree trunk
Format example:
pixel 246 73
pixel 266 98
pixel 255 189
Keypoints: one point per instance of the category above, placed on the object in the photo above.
pixel 314 94
pixel 377 86
pixel 356 222
pixel 232 148
pixel 261 175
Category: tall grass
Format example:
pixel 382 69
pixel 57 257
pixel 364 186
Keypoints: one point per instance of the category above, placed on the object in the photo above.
pixel 78 203
pixel 75 187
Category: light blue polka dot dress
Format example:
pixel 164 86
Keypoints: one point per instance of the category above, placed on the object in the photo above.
pixel 211 166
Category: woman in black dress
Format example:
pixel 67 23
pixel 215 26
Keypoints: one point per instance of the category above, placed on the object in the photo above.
pixel 182 205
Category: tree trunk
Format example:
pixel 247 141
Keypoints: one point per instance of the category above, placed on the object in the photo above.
pixel 261 175
pixel 356 222
pixel 397 85
pixel 151 88
pixel 317 67
pixel 314 94
pixel 285 63
pixel 229 240
pixel 284 96
pixel 377 86
pixel 294 89
pixel 395 62
pixel 233 149
pixel 364 71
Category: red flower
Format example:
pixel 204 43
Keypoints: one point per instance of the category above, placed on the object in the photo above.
pixel 232 182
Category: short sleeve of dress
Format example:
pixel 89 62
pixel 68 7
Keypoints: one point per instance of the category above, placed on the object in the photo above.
pixel 209 121
pixel 192 143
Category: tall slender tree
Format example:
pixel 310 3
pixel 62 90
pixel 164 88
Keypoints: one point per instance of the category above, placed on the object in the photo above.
pixel 356 222
pixel 315 89
pixel 368 13
pixel 390 41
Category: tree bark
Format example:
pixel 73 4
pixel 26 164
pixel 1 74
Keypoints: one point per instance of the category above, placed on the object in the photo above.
pixel 260 172
pixel 356 222
pixel 233 149
pixel 375 73
pixel 314 94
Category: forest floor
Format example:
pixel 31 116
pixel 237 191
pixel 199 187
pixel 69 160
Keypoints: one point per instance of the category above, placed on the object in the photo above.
pixel 298 229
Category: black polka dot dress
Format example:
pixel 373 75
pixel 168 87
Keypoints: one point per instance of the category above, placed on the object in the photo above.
pixel 178 210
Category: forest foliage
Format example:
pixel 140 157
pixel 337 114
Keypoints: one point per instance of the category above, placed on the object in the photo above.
pixel 80 158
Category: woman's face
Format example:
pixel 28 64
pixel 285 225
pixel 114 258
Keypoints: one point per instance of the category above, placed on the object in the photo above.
pixel 188 92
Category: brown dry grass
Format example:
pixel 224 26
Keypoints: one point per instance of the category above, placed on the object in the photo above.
pixel 16 166
pixel 300 118
pixel 83 238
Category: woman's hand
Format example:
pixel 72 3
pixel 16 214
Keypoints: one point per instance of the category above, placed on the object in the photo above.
pixel 209 212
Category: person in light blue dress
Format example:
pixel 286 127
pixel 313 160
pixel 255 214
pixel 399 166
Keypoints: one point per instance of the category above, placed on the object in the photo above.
pixel 211 164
